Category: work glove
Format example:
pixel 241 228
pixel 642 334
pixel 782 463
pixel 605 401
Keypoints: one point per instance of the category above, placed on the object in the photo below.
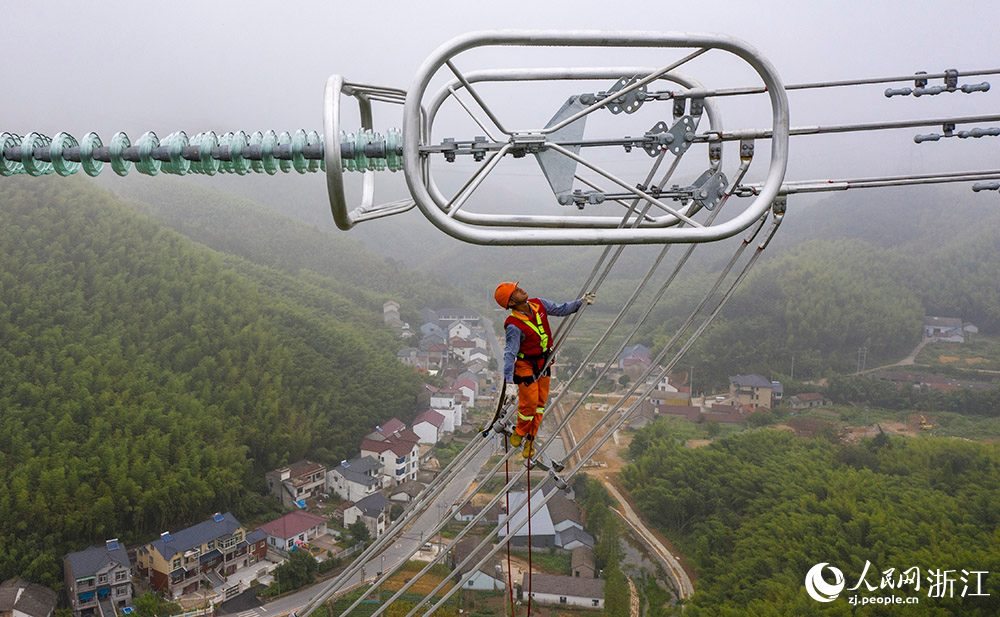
pixel 588 298
pixel 509 391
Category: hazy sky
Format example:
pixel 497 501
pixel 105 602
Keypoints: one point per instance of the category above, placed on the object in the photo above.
pixel 138 66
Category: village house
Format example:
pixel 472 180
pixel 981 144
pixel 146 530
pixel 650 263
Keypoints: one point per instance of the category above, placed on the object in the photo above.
pixel 21 598
pixel 428 425
pixel 755 391
pixel 355 479
pixel 582 563
pixel 98 580
pixel 567 590
pixel 490 577
pixel 285 533
pixel 448 404
pixel 398 456
pixel 200 556
pixel 807 400
pixel 373 510
pixel 296 483
pixel 406 492
pixel 553 524
pixel 950 329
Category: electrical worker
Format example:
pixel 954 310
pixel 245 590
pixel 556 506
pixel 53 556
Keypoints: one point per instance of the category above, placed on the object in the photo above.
pixel 528 347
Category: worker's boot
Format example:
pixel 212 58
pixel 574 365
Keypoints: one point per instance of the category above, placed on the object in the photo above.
pixel 515 439
pixel 529 446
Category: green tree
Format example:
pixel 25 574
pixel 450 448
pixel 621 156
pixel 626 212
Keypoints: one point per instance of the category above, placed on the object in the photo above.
pixel 359 531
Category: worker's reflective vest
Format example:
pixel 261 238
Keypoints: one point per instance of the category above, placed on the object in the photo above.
pixel 537 335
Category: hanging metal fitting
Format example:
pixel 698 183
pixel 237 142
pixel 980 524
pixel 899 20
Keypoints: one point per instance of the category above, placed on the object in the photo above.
pixel 985 186
pixel 631 101
pixel 746 149
pixel 708 190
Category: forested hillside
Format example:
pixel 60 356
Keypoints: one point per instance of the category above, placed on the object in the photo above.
pixel 754 512
pixel 335 259
pixel 146 381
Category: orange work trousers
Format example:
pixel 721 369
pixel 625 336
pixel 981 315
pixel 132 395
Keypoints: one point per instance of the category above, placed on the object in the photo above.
pixel 530 400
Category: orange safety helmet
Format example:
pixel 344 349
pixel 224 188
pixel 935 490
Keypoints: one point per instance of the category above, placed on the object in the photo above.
pixel 503 293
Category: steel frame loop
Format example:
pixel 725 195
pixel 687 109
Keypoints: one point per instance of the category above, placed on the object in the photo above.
pixel 520 232
pixel 336 86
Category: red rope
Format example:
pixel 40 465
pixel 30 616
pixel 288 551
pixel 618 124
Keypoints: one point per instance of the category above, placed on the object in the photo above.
pixel 506 470
pixel 530 569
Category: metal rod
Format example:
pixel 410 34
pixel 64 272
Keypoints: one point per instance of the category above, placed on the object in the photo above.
pixel 471 115
pixel 476 96
pixel 832 83
pixel 841 128
pixel 473 183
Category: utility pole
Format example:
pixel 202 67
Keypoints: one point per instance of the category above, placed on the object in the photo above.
pixel 866 420
pixel 792 375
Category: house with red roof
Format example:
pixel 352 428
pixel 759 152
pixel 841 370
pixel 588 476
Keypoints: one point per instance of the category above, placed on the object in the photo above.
pixel 428 425
pixel 397 454
pixel 284 534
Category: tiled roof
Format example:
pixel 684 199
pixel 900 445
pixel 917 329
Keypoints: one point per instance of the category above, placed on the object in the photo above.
pixel 410 487
pixel 291 524
pixel 34 600
pixel 431 417
pixel 564 585
pixel 810 396
pixel 373 504
pixel 464 548
pixel 943 322
pixel 751 381
pixel 562 509
pixel 358 470
pixel 196 535
pixel 393 425
pixel 88 562
pixel 575 533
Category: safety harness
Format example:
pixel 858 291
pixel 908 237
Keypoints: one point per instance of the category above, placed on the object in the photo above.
pixel 536 331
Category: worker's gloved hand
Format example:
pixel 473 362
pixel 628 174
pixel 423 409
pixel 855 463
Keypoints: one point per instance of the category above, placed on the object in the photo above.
pixel 589 298
pixel 509 391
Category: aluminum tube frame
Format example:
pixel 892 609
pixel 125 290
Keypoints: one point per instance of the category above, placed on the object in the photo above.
pixel 413 166
pixel 336 86
pixel 554 74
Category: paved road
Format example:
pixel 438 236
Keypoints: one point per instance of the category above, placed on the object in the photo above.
pixel 665 556
pixel 396 551
pixel 496 349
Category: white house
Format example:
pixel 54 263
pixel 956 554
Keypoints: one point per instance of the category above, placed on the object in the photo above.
pixel 355 479
pixel 569 590
pixel 373 510
pixel 428 425
pixel 490 577
pixel 397 455
pixel 289 531
pixel 468 389
pixel 460 329
pixel 447 404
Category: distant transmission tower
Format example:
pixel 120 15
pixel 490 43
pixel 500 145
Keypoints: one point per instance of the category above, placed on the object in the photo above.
pixel 862 356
